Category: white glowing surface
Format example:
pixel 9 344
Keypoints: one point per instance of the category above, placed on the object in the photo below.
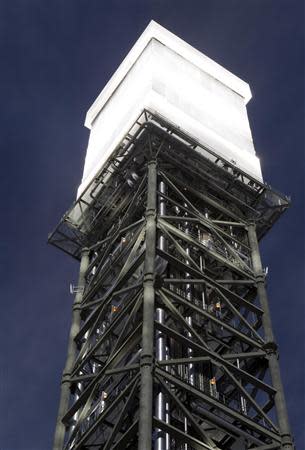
pixel 164 74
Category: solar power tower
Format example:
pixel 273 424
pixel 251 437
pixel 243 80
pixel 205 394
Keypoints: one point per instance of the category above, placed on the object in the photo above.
pixel 171 345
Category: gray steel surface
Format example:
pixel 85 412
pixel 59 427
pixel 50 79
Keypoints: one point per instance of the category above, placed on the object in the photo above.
pixel 171 344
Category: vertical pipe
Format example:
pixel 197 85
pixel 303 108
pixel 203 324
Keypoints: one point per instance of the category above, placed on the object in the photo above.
pixel 146 360
pixel 189 318
pixel 190 322
pixel 271 347
pixel 201 265
pixel 72 349
pixel 161 414
pixel 80 388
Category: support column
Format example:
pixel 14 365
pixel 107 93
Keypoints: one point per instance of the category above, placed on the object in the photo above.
pixel 146 361
pixel 270 346
pixel 72 349
pixel 160 404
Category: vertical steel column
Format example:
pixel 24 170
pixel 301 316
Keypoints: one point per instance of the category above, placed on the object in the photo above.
pixel 72 349
pixel 160 443
pixel 271 346
pixel 189 320
pixel 146 360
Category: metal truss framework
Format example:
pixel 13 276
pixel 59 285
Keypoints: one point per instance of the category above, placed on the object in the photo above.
pixel 171 344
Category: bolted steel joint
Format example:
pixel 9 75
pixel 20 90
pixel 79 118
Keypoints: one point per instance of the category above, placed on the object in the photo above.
pixel 150 213
pixel 287 441
pixel 152 161
pixel 77 306
pixel 146 360
pixel 149 277
pixel 66 377
pixel 251 223
pixel 260 278
pixel 270 348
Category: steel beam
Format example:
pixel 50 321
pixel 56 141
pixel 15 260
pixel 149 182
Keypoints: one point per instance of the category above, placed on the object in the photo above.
pixel 210 371
pixel 147 354
pixel 270 346
pixel 72 349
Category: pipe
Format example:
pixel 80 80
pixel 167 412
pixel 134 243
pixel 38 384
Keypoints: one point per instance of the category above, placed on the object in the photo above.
pixel 146 360
pixel 271 347
pixel 189 321
pixel 72 350
pixel 161 442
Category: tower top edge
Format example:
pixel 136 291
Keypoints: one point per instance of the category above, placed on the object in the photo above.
pixel 179 46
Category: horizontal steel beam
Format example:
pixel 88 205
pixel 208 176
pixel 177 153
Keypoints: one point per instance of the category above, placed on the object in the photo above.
pixel 181 436
pixel 216 358
pixel 218 405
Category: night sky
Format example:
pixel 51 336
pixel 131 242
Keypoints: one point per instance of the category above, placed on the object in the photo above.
pixel 56 56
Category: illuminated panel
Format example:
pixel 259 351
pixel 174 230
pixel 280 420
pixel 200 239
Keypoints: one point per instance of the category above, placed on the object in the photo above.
pixel 167 76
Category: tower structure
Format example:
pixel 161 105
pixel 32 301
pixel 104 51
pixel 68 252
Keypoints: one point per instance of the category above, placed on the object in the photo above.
pixel 171 344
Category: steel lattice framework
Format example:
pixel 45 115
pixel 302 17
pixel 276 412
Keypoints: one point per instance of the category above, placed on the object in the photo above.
pixel 171 343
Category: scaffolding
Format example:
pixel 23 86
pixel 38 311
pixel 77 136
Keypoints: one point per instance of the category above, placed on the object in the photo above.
pixel 171 343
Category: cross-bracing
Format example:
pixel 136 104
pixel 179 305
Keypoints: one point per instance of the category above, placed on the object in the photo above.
pixel 171 344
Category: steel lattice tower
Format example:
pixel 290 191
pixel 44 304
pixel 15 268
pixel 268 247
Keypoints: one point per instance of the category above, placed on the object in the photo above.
pixel 171 344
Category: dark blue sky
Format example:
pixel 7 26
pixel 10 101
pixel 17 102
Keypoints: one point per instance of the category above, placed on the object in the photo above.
pixel 55 58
